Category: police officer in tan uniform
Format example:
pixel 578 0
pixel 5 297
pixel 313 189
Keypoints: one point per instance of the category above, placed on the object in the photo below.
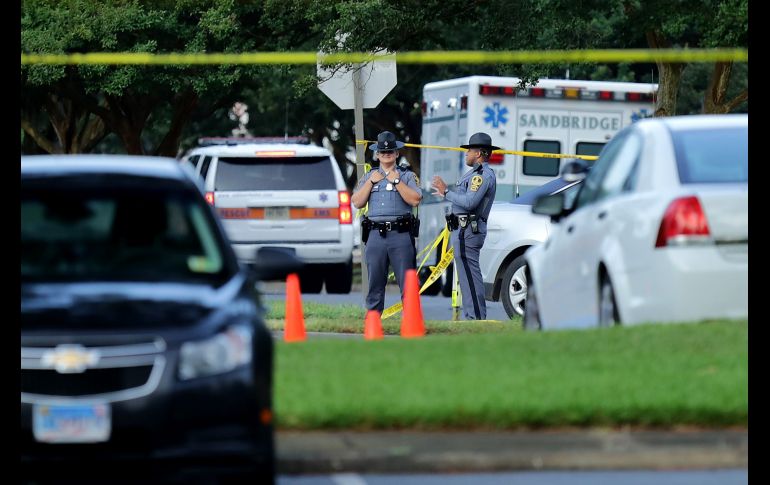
pixel 471 199
pixel 389 228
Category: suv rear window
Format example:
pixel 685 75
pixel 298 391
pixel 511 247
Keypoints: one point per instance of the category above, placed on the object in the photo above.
pixel 299 173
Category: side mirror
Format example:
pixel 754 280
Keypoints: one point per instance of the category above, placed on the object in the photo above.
pixel 276 263
pixel 575 170
pixel 549 205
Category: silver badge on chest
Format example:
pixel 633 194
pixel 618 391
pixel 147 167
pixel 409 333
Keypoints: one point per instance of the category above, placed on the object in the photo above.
pixel 389 186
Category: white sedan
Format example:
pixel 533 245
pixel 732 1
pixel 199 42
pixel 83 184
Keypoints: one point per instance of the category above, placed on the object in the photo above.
pixel 658 233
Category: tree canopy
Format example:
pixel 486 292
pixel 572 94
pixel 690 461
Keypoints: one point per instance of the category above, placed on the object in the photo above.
pixel 164 109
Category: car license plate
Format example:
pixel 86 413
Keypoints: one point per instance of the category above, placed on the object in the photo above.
pixel 71 423
pixel 277 213
pixel 233 212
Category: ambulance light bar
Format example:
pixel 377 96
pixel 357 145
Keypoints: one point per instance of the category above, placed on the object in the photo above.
pixel 565 93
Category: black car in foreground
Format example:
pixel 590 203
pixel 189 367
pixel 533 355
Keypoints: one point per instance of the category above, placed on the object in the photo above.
pixel 142 341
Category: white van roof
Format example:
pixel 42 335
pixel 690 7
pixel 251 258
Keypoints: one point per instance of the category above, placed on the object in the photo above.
pixel 547 84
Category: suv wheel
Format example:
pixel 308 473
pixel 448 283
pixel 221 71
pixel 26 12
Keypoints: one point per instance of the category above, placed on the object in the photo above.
pixel 513 292
pixel 311 280
pixel 339 278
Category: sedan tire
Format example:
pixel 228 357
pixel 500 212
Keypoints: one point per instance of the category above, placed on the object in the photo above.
pixel 608 310
pixel 513 292
pixel 532 311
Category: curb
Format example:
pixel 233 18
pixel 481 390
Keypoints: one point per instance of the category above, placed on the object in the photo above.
pixel 305 452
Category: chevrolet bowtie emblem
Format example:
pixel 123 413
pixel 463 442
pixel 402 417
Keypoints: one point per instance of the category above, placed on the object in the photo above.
pixel 70 358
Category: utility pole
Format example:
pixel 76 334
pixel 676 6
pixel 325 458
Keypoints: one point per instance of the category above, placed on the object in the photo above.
pixel 358 115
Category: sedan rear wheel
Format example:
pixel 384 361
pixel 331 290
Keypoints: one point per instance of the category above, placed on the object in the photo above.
pixel 608 310
pixel 532 311
pixel 514 289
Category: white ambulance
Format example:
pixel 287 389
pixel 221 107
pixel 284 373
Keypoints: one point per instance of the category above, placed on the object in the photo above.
pixel 564 116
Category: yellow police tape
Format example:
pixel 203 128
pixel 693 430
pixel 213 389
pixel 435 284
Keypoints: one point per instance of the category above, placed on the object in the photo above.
pixel 436 271
pixel 417 57
pixel 509 152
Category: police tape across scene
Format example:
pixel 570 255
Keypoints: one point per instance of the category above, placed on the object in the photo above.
pixel 507 152
pixel 417 57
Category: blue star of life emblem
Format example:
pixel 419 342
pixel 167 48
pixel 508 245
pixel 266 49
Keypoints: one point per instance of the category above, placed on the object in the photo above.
pixel 323 197
pixel 496 115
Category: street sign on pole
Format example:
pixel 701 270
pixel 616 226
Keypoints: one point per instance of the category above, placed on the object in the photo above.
pixel 357 87
pixel 378 78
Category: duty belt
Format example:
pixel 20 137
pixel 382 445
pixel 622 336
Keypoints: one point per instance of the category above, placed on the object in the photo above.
pixel 456 221
pixel 402 225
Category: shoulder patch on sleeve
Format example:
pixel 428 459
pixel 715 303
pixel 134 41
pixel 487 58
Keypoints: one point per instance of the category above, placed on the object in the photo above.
pixel 476 182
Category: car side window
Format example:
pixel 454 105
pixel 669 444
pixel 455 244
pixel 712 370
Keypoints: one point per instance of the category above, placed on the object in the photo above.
pixel 621 167
pixel 592 184
pixel 570 195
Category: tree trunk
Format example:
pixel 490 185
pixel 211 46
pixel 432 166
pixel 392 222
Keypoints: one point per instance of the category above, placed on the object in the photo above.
pixel 184 104
pixel 40 139
pixel 92 131
pixel 77 131
pixel 59 112
pixel 670 76
pixel 129 115
pixel 714 99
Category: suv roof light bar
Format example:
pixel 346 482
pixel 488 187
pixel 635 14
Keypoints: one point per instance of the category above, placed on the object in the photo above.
pixel 240 140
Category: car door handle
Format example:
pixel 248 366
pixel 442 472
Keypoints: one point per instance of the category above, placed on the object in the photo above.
pixel 602 215
pixel 570 229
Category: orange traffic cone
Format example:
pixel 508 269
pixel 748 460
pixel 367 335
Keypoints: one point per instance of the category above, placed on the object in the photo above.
pixel 412 324
pixel 373 325
pixel 294 329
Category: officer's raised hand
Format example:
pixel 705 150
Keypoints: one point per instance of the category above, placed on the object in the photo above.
pixel 438 185
pixel 376 177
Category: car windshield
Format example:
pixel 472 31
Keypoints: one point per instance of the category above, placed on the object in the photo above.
pixel 713 155
pixel 280 173
pixel 547 188
pixel 101 232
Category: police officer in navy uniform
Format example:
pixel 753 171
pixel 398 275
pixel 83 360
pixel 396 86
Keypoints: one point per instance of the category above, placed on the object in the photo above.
pixel 471 200
pixel 387 230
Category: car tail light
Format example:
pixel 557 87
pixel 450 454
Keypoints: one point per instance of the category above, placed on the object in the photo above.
pixel 684 222
pixel 210 198
pixel 346 213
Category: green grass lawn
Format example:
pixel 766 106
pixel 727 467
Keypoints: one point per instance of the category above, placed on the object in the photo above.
pixel 647 375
